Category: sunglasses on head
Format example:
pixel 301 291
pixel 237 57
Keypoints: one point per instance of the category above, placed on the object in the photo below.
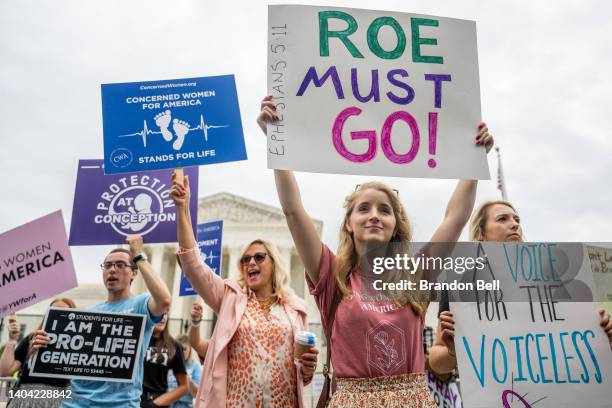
pixel 259 257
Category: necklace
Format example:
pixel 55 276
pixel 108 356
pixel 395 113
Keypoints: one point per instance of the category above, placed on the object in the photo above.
pixel 267 303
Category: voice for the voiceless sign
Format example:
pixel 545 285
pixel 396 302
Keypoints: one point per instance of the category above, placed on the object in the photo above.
pixel 176 156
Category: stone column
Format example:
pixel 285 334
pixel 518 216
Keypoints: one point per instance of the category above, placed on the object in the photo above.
pixel 285 253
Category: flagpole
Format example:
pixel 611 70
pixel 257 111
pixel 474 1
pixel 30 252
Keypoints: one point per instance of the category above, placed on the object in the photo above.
pixel 501 182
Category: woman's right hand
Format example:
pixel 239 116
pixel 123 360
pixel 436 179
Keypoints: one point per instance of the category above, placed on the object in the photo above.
pixel 196 312
pixel 39 339
pixel 180 192
pixel 13 328
pixel 267 113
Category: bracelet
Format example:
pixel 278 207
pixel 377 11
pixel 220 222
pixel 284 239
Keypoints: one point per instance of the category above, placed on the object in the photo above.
pixel 195 323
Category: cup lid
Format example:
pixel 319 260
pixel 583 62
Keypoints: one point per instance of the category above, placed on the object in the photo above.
pixel 306 337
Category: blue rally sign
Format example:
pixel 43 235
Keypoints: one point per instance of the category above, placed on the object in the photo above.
pixel 209 242
pixel 173 123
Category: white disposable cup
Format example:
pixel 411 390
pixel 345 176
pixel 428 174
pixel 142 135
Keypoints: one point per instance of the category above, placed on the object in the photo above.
pixel 303 342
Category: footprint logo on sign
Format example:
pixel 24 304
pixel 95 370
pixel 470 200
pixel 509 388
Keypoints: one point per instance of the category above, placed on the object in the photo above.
pixel 180 127
pixel 162 120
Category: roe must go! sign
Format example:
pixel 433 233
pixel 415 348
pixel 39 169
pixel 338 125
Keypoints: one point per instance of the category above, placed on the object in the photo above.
pixel 173 123
pixel 90 345
pixel 374 93
pixel 108 208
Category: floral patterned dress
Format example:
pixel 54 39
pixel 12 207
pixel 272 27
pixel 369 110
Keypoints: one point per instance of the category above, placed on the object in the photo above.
pixel 261 371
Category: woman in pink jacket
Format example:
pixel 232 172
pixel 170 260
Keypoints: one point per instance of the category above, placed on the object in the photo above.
pixel 249 362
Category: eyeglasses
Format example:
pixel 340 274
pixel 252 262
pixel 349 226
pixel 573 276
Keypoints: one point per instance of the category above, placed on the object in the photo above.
pixel 259 258
pixel 394 189
pixel 117 265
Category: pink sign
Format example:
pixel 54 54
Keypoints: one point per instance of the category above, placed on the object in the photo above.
pixel 35 263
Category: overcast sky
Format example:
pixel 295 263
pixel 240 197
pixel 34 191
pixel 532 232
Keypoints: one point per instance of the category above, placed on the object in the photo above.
pixel 544 78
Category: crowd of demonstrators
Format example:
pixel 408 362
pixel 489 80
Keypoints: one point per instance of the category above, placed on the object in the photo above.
pixel 164 355
pixel 249 360
pixel 493 221
pixel 194 374
pixel 389 370
pixel 16 357
pixel 199 344
pixel 119 269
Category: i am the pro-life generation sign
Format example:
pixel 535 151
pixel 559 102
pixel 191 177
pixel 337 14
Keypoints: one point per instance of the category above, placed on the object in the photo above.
pixel 35 263
pixel 210 243
pixel 169 124
pixel 109 207
pixel 373 93
pixel 90 345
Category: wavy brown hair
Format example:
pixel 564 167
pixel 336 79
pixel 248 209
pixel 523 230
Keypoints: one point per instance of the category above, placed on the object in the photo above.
pixel 165 341
pixel 347 259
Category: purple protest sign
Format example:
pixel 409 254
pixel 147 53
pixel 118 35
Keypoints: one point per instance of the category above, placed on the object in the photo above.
pixel 108 208
pixel 35 263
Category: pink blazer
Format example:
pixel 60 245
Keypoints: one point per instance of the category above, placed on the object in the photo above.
pixel 228 300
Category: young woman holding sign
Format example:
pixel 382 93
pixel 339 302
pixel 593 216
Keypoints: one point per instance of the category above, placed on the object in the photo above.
pixel 493 221
pixel 249 361
pixel 15 357
pixel 386 366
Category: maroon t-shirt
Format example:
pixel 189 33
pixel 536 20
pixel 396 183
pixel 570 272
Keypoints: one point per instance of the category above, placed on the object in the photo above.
pixel 371 336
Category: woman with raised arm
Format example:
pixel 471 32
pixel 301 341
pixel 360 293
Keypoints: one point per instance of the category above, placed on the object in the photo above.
pixel 199 344
pixel 249 361
pixel 493 221
pixel 376 340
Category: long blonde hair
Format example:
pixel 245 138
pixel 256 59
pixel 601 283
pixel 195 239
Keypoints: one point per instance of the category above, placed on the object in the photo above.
pixel 347 259
pixel 479 219
pixel 280 277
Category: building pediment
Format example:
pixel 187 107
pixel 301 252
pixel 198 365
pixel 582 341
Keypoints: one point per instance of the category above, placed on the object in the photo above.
pixel 239 210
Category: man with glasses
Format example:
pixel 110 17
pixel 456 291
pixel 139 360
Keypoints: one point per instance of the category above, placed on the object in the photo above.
pixel 119 269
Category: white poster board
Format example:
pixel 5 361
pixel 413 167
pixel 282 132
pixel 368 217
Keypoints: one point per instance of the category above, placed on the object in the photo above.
pixel 373 93
pixel 543 352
